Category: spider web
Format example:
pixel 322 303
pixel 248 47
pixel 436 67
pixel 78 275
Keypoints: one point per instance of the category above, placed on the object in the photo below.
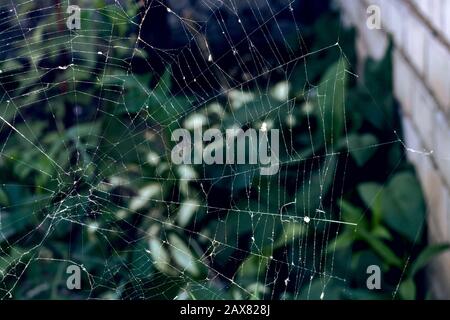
pixel 87 129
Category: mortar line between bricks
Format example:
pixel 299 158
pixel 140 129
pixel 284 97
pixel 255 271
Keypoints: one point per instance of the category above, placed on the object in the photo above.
pixel 430 92
pixel 435 32
pixel 433 160
pixel 414 68
pixel 441 108
pixel 427 87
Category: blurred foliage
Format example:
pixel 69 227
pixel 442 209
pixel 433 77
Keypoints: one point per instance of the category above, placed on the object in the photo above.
pixel 92 183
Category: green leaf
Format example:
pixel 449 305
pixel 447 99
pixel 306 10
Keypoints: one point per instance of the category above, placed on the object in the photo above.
pixel 331 97
pixel 257 107
pixel 403 205
pixel 10 260
pixel 380 248
pixel 343 241
pixel 378 83
pixel 378 74
pixel 164 83
pixel 23 211
pixel 83 130
pixel 407 289
pixel 350 213
pixel 185 258
pixel 160 256
pixel 362 147
pixel 163 106
pixel 316 186
pixel 3 198
pixel 426 255
pixel 323 289
pixel 368 192
pixel 371 194
pixel 291 232
pixel 137 94
pixel 382 233
pixel 205 290
pixel 252 268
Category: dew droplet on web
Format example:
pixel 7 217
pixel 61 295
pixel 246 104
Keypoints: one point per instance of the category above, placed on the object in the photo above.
pixel 264 127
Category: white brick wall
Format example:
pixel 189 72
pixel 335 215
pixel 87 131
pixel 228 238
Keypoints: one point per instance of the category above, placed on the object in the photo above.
pixel 438 71
pixel 421 33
